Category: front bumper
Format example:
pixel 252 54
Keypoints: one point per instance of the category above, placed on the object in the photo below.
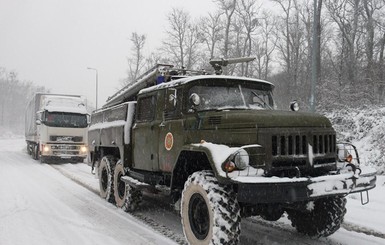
pixel 289 190
pixel 63 151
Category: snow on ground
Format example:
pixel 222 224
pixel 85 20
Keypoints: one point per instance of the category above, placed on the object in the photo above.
pixel 365 128
pixel 39 205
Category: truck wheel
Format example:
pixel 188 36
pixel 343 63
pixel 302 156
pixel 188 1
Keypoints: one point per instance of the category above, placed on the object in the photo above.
pixel 323 220
pixel 106 181
pixel 119 185
pixel 133 199
pixel 29 149
pixel 210 211
pixel 35 153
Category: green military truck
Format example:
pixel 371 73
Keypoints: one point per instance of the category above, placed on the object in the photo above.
pixel 219 148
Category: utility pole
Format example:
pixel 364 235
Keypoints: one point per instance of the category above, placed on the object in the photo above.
pixel 314 66
pixel 96 85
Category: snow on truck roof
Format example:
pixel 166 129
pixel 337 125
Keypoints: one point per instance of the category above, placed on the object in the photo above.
pixel 186 80
pixel 62 103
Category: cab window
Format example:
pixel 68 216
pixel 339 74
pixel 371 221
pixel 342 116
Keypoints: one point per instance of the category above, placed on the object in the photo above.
pixel 145 109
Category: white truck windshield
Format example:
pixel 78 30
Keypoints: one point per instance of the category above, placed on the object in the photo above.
pixel 65 120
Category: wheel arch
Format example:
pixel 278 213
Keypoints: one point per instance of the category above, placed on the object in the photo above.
pixel 102 151
pixel 188 162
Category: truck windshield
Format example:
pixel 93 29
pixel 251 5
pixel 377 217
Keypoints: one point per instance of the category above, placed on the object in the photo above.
pixel 234 97
pixel 65 120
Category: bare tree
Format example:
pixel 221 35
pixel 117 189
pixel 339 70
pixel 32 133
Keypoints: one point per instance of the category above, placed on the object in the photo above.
pixel 137 61
pixel 291 47
pixel 345 14
pixel 247 11
pixel 210 29
pixel 175 43
pixel 264 45
pixel 192 45
pixel 228 8
pixel 381 68
pixel 370 8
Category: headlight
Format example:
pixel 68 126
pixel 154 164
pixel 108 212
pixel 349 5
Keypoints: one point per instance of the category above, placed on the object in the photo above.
pixel 46 148
pixel 238 161
pixel 241 159
pixel 83 149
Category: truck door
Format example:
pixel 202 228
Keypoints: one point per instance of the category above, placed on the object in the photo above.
pixel 171 133
pixel 146 134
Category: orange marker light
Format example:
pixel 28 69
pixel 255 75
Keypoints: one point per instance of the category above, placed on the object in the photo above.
pixel 229 166
pixel 349 158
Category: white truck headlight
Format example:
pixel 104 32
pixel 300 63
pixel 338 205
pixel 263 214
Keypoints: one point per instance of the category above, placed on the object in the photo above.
pixel 83 149
pixel 46 148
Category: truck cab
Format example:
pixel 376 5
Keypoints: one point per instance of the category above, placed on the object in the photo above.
pixel 56 127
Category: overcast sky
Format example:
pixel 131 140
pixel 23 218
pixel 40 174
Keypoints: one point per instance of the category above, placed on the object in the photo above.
pixel 52 42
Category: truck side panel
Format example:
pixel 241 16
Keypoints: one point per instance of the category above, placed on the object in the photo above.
pixel 111 128
pixel 30 119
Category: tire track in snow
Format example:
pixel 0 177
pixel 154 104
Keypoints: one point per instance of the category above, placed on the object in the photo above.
pixel 74 178
pixel 361 229
pixel 162 229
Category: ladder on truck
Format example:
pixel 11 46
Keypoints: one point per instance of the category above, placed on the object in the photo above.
pixel 150 78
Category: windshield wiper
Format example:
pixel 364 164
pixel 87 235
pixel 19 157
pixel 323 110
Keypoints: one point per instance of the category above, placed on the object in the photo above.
pixel 261 99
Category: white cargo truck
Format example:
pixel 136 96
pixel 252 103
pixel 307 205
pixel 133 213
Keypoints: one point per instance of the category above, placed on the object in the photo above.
pixel 56 127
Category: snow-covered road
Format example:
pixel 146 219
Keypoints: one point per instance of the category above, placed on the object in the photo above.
pixel 58 204
pixel 39 205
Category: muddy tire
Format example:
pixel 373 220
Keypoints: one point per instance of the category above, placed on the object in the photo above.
pixel 210 211
pixel 132 200
pixel 106 178
pixel 119 185
pixel 325 218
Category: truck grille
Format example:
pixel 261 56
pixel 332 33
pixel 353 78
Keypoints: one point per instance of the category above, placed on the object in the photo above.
pixel 292 150
pixel 289 145
pixel 298 144
pixel 65 147
pixel 323 144
pixel 63 138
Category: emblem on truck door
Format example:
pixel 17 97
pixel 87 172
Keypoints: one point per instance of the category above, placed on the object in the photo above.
pixel 169 141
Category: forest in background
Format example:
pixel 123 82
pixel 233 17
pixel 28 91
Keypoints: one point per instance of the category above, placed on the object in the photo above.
pixel 349 48
pixel 14 96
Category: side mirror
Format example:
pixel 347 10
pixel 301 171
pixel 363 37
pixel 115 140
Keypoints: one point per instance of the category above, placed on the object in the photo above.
pixel 294 106
pixel 38 122
pixel 88 119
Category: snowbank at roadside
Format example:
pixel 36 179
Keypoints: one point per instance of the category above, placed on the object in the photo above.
pixel 365 128
pixel 7 133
